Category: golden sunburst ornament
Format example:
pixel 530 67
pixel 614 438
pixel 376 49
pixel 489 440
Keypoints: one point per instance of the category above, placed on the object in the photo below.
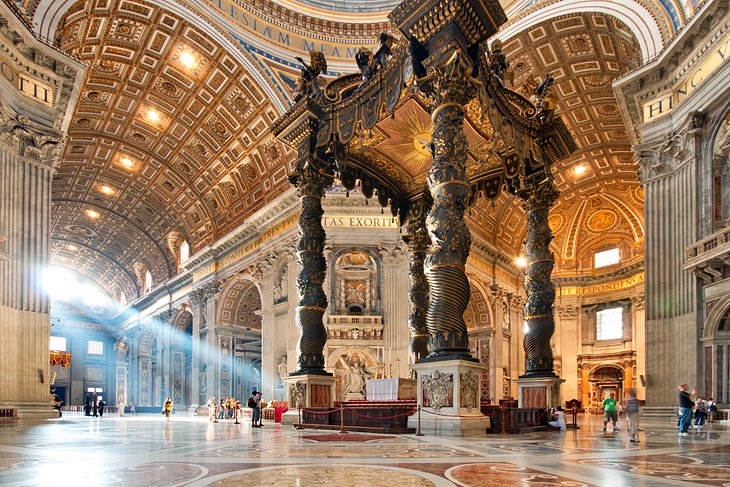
pixel 409 138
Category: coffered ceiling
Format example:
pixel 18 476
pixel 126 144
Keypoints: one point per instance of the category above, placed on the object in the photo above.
pixel 171 134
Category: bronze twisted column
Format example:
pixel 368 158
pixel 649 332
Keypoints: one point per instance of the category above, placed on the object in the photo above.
pixel 311 183
pixel 418 242
pixel 537 198
pixel 451 88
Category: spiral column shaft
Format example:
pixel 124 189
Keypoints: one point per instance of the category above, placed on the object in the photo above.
pixel 418 242
pixel 451 88
pixel 311 184
pixel 538 310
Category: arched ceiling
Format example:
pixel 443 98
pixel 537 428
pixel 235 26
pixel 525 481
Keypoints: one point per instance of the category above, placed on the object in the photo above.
pixel 201 169
pixel 211 160
pixel 604 204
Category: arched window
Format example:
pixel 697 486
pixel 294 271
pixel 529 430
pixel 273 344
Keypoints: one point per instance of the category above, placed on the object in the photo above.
pixel 184 252
pixel 147 282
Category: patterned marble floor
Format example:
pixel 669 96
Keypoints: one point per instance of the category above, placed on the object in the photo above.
pixel 147 451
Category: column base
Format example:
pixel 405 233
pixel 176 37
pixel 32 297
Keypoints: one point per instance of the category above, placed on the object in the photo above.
pixel 33 411
pixel 310 390
pixel 466 425
pixel 538 392
pixel 448 392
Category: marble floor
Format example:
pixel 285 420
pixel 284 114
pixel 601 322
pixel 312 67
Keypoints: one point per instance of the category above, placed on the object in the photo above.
pixel 146 450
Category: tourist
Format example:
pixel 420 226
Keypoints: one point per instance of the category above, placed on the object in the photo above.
pixel 120 408
pixel 222 408
pixel 685 409
pixel 559 422
pixel 87 404
pixel 253 403
pixel 102 404
pixel 132 410
pixel 167 408
pixel 211 410
pixel 711 408
pixel 610 412
pixel 632 416
pixel 95 405
pixel 700 413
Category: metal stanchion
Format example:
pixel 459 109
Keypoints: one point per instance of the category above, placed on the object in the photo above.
pixel 418 433
pixel 342 420
pixel 299 426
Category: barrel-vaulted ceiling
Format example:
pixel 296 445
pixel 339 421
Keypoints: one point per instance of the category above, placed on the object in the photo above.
pixel 171 133
pixel 206 158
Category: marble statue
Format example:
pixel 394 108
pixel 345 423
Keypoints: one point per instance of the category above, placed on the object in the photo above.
pixel 282 369
pixel 356 379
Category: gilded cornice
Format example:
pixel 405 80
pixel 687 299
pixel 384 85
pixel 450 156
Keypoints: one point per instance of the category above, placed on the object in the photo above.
pixel 591 280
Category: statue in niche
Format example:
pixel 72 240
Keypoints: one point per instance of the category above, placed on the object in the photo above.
pixel 357 377
pixel 308 79
pixel 203 380
pixel 282 369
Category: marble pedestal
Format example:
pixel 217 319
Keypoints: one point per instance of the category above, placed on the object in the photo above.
pixel 308 391
pixel 538 392
pixel 448 392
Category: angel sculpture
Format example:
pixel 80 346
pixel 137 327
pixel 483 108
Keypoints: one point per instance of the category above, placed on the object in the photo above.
pixel 385 49
pixel 308 85
pixel 366 62
pixel 545 98
pixel 498 61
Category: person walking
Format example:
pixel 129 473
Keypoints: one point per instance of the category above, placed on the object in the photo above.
pixel 167 408
pixel 102 405
pixel 132 410
pixel 685 408
pixel 95 405
pixel 610 412
pixel 632 416
pixel 120 409
pixel 711 408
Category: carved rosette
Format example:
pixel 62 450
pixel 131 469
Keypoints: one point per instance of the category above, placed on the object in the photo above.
pixel 538 310
pixel 450 87
pixel 418 242
pixel 311 184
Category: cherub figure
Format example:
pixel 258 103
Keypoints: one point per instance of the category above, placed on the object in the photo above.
pixel 366 62
pixel 308 85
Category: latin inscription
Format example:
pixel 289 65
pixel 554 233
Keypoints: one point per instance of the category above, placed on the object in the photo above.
pixel 26 85
pixel 667 101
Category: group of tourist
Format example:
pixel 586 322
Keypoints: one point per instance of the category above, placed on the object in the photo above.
pixel 93 404
pixel 703 410
pixel 229 408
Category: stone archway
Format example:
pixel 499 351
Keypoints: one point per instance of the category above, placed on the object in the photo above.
pixel 239 338
pixel 716 353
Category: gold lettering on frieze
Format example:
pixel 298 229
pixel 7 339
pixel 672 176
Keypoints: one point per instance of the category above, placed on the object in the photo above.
pixel 359 221
pixel 205 271
pixel 602 288
pixel 668 100
pixel 26 85
pixel 258 241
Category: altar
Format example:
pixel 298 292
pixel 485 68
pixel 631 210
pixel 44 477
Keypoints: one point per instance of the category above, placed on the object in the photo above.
pixel 395 389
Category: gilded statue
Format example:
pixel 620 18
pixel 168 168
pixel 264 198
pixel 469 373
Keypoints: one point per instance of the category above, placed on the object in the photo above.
pixel 308 79
pixel 498 61
pixel 370 63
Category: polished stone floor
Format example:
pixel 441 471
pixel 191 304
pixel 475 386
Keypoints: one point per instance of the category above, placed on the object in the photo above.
pixel 145 450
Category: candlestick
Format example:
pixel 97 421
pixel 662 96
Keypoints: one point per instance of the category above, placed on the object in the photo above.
pixel 397 368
